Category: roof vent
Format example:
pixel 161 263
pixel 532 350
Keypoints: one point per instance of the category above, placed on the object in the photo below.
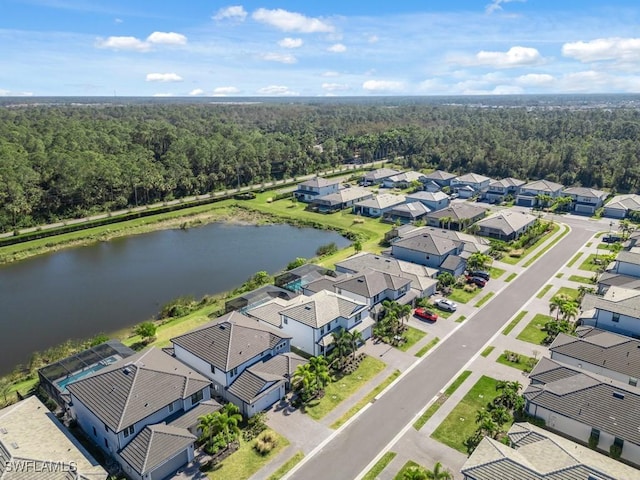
pixel 127 370
pixel 307 307
pixel 14 444
pixel 222 327
pixel 3 430
pixel 619 395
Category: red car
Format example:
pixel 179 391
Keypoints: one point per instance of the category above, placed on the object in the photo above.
pixel 426 314
pixel 481 282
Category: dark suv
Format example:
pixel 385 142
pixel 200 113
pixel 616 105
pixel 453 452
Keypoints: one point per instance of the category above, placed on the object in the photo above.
pixel 482 274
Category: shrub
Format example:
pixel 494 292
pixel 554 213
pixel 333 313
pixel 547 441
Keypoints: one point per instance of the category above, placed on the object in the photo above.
pixel 328 249
pixel 615 451
pixel 593 441
pixel 265 442
pixel 470 288
pixel 298 262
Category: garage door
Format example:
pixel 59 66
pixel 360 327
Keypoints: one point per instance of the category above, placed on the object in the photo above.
pixel 585 209
pixel 170 467
pixel 268 400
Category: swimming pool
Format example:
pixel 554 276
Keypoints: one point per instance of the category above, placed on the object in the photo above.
pixel 63 382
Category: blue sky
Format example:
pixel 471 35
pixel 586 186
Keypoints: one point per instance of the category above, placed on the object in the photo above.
pixel 406 47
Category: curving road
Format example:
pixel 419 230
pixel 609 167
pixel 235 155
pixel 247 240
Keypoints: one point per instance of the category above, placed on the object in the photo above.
pixel 354 447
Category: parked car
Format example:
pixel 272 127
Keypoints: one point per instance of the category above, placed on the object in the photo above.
pixel 481 282
pixel 482 274
pixel 611 238
pixel 426 314
pixel 445 304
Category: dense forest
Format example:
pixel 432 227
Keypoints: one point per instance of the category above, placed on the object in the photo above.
pixel 63 161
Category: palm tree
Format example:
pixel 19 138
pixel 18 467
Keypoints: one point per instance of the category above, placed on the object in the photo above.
pixel 414 472
pixel 446 221
pixel 478 261
pixel 320 371
pixel 556 303
pixel 439 473
pixel 206 425
pixel 403 312
pixel 226 422
pixel 302 381
pixel 510 393
pixel 500 415
pixel 569 311
pixel 341 346
pixel 355 339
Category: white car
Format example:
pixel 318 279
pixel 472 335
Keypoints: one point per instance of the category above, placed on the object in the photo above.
pixel 445 304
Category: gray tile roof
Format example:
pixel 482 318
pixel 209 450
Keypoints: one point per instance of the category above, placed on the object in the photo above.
pixel 191 418
pixel 543 186
pixel 507 182
pixel 428 243
pixel 409 210
pixel 283 365
pixel 370 283
pixel 323 307
pixel 344 195
pixel 585 192
pixel 380 174
pixel 472 178
pixel 319 182
pixel 602 349
pixel 628 257
pixel 619 280
pixel 458 211
pixel 507 221
pixel 625 202
pixel 325 283
pixel 230 340
pixel 384 200
pixel 617 299
pixel 471 243
pixel 427 196
pixel 588 401
pixel 131 389
pixel 250 384
pixel 452 263
pixel 439 175
pixel 409 177
pixel 154 445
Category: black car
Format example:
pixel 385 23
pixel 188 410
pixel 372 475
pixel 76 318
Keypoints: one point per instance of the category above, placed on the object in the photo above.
pixel 611 238
pixel 482 274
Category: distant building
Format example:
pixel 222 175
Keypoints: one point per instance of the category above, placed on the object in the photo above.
pixel 440 177
pixel 456 216
pixel 528 195
pixel 316 187
pixel 585 200
pixel 345 198
pixel 470 184
pixel 499 189
pixel 379 205
pixel 432 251
pixel 403 180
pixel 376 177
pixel 407 213
pixel 505 225
pixel 432 200
pixel 621 206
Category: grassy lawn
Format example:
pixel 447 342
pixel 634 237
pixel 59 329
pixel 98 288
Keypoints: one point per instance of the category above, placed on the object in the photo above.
pixel 367 399
pixel 569 292
pixel 514 322
pixel 427 347
pixel 613 247
pixel 544 291
pixel 405 467
pixel 460 424
pixel 460 296
pixel 533 332
pixel 524 363
pixel 487 351
pixel 246 461
pixel 574 259
pixel 433 408
pixel 413 335
pixel 286 466
pixel 559 275
pixel 484 299
pixel 442 313
pixel 461 319
pixel 344 387
pixel 496 272
pixel 589 244
pixel 511 277
pixel 580 279
pixel 513 260
pixel 379 466
pixel 588 265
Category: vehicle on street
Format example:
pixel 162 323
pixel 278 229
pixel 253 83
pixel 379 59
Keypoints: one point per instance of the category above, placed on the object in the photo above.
pixel 481 282
pixel 482 274
pixel 445 304
pixel 426 314
pixel 611 238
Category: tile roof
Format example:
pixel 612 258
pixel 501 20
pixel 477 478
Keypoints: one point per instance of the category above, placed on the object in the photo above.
pixel 323 307
pixel 458 211
pixel 471 178
pixel 585 192
pixel 452 263
pixel 324 283
pixel 411 210
pixel 384 200
pixel 428 243
pixel 154 445
pixel 440 175
pixel 131 389
pixel 625 202
pixel 319 182
pixel 628 257
pixel 344 195
pixel 507 182
pixel 380 173
pixel 230 340
pixel 471 243
pixel 409 177
pixel 31 433
pixel 543 186
pixel 507 221
pixel 370 283
pixel 191 418
pixel 617 299
pixel 250 384
pixel 428 196
pixel 619 280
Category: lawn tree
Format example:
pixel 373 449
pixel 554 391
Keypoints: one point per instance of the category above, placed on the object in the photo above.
pixel 556 303
pixel 341 347
pixel 414 472
pixel 146 331
pixel 302 382
pixel 320 371
pixel 439 473
pixel 478 261
pixel 355 338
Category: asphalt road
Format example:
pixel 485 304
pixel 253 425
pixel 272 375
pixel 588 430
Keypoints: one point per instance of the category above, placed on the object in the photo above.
pixel 358 444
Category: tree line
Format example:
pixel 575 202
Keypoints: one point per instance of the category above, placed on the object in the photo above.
pixel 58 162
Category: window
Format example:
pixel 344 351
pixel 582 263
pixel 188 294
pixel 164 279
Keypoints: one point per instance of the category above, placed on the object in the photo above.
pixel 285 320
pixel 595 434
pixel 95 434
pixel 618 442
pixel 234 372
pixel 358 317
pixel 213 369
pixel 129 430
pixel 171 407
pixel 633 382
pixel 615 317
pixel 196 397
pixel 106 429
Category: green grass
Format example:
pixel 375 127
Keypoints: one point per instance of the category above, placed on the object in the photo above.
pixel 367 399
pixel 379 466
pixel 343 388
pixel 427 347
pixel 442 313
pixel 525 363
pixel 572 293
pixel 580 279
pixel 514 322
pixel 574 259
pixel 513 260
pixel 487 351
pixel 484 299
pixel 460 424
pixel 544 291
pixel 548 247
pixel 412 335
pixel 588 265
pixel 246 461
pixel 612 247
pixel 533 332
pixel 460 296
pixel 461 319
pixel 589 244
pixel 559 275
pixel 401 473
pixel 496 272
pixel 599 234
pixel 511 277
pixel 286 466
pixel 433 408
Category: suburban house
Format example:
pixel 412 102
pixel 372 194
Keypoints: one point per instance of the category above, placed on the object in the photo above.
pixel 631 243
pixel 534 453
pixel 529 193
pixel 296 278
pixel 376 177
pixel 371 287
pixel 432 200
pixel 379 205
pixel 310 321
pixel 257 297
pixel 316 187
pixel 432 251
pixel 627 263
pixel 585 200
pixel 231 351
pixel 617 311
pixel 506 225
pixel 499 189
pixel 607 280
pixel 431 186
pixel 456 216
pixel 597 351
pixel 345 198
pixel 476 185
pixel 134 399
pixel 422 278
pixel 406 213
pixel 440 177
pixel 581 407
pixel 621 206
pixel 402 180
pixel 32 437
pixel 472 243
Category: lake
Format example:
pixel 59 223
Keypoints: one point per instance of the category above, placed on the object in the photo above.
pixel 108 286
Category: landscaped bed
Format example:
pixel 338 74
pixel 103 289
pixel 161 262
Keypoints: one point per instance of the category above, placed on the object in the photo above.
pixel 516 360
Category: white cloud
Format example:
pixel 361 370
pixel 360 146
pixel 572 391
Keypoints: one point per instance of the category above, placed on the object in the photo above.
pixel 535 79
pixel 330 74
pixel 373 39
pixel 335 87
pixel 497 5
pixel 276 90
pixel 9 93
pixel 514 57
pixel 223 91
pixel 233 12
pixel 337 48
pixel 117 20
pixel 167 38
pixel 163 94
pixel 291 21
pixel 604 49
pixel 290 42
pixel 163 77
pixel 123 43
pixel 197 91
pixel 279 57
pixel 507 90
pixel 382 85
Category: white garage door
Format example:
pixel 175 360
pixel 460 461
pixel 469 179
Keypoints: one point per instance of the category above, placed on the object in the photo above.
pixel 584 209
pixel 170 467
pixel 268 400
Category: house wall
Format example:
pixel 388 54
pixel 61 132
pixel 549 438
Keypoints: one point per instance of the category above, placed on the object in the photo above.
pixel 625 268
pixel 219 378
pixel 625 325
pixel 302 335
pixel 368 301
pixel 590 367
pixel 268 397
pixel 414 256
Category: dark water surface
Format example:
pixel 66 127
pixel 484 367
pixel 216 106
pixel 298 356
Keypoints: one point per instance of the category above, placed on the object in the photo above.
pixel 108 286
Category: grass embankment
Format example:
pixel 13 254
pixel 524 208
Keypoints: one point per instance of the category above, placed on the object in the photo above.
pixel 484 299
pixel 548 247
pixel 401 475
pixel 514 260
pixel 544 291
pixel 593 263
pixel 511 277
pixel 433 408
pixel 519 361
pixel 487 351
pixel 572 293
pixel 581 279
pixel 496 272
pixel 574 259
pixel 460 295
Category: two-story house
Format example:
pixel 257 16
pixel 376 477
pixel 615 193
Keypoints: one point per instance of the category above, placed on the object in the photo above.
pixel 345 198
pixel 407 213
pixel 440 177
pixel 130 399
pixel 379 205
pixel 432 251
pixel 533 193
pixel 585 200
pixel 505 225
pixel 432 200
pixel 621 206
pixel 371 287
pixel 617 311
pixel 470 184
pixel 627 263
pixel 499 189
pixel 316 187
